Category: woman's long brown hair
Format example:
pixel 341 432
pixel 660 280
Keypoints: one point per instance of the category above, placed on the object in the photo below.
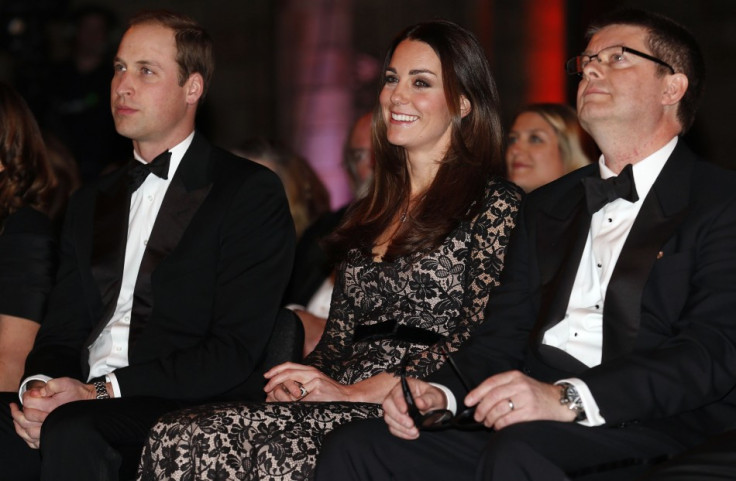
pixel 474 154
pixel 26 178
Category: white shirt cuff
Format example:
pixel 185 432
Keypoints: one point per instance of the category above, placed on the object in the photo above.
pixel 592 411
pixel 295 307
pixel 451 401
pixel 24 384
pixel 113 380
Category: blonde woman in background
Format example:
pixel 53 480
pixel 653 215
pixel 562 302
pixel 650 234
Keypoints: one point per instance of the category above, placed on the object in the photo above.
pixel 545 142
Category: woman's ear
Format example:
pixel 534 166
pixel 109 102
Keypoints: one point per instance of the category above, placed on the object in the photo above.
pixel 465 106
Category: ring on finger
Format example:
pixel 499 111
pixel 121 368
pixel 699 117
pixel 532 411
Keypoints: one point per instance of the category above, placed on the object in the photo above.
pixel 302 391
pixel 511 405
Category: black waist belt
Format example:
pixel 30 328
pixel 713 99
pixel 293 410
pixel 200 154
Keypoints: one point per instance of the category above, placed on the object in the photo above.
pixel 393 330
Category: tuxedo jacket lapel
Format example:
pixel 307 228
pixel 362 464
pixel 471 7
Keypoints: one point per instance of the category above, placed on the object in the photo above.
pixel 109 233
pixel 561 234
pixel 189 187
pixel 662 211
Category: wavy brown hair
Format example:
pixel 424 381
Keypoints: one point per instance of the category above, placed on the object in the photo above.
pixel 26 178
pixel 474 154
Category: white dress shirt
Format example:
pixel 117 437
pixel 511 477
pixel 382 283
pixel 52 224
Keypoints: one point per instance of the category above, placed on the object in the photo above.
pixel 580 333
pixel 110 350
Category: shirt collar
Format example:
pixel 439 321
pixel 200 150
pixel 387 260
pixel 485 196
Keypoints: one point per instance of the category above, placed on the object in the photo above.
pixel 177 153
pixel 646 170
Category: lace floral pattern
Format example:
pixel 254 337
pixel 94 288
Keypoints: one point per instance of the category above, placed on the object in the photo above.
pixel 444 291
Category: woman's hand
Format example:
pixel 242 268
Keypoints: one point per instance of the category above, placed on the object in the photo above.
pixel 296 382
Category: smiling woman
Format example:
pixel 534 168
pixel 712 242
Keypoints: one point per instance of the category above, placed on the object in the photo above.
pixel 419 256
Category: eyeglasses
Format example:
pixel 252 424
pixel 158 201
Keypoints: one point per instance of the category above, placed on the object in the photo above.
pixel 438 419
pixel 614 57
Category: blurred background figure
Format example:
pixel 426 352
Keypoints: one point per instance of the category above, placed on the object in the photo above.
pixel 78 110
pixel 546 142
pixel 358 156
pixel 308 198
pixel 66 176
pixel 310 288
pixel 27 246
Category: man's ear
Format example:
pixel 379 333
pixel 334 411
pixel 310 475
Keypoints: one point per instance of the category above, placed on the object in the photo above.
pixel 675 88
pixel 465 106
pixel 194 87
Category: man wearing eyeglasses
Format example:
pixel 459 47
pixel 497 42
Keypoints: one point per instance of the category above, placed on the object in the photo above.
pixel 611 342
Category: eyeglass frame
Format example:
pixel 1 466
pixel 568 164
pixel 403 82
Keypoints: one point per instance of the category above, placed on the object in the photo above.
pixel 579 70
pixel 437 419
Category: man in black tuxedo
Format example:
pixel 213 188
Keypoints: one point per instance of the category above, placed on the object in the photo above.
pixel 169 283
pixel 611 343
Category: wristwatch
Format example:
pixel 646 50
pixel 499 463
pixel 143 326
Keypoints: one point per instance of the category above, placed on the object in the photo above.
pixel 570 397
pixel 101 389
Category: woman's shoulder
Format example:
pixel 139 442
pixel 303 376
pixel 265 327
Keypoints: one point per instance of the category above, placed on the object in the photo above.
pixel 499 190
pixel 28 220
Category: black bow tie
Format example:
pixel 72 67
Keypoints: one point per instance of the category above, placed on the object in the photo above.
pixel 158 166
pixel 599 192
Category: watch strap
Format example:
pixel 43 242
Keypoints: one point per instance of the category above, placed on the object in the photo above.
pixel 101 389
pixel 570 397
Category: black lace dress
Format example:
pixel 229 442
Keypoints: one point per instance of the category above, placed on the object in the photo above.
pixel 443 292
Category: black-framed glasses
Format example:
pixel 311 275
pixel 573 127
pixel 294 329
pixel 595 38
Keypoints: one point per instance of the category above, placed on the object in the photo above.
pixel 614 57
pixel 438 419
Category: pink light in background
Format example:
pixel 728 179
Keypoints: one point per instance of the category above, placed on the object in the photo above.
pixel 316 94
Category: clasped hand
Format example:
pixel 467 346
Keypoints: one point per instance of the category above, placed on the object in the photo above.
pixel 295 382
pixel 501 400
pixel 41 399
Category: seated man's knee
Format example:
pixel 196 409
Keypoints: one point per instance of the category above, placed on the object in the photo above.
pixel 66 425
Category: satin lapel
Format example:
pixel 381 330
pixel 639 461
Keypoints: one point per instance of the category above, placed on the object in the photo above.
pixel 661 213
pixel 561 235
pixel 187 191
pixel 109 233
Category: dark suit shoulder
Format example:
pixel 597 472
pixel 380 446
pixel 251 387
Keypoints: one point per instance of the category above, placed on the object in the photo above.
pixel 568 187
pixel 713 179
pixel 226 165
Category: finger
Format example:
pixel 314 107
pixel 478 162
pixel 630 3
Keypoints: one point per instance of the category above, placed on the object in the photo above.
pixel 284 367
pixel 491 412
pixel 29 432
pixel 430 399
pixel 281 394
pixel 488 386
pixel 301 376
pixel 399 430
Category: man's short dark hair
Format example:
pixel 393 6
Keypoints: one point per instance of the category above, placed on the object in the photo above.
pixel 670 42
pixel 194 50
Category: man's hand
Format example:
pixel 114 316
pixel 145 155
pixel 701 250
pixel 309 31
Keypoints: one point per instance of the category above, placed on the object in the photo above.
pixel 395 411
pixel 58 391
pixel 511 397
pixel 42 398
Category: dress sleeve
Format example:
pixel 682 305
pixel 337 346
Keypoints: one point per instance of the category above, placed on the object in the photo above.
pixel 27 264
pixel 339 328
pixel 489 236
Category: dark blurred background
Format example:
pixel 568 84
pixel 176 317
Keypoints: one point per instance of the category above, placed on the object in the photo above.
pixel 302 70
